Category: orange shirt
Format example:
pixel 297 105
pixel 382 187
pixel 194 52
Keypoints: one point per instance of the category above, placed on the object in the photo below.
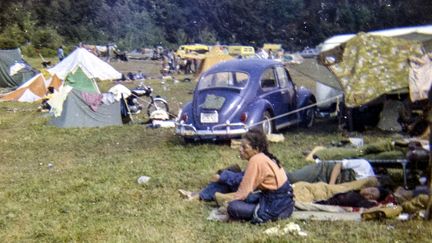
pixel 261 173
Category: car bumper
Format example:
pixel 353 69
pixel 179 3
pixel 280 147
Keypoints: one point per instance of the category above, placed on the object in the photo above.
pixel 227 130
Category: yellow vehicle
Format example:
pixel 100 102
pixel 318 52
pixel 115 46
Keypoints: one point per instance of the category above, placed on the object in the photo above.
pixel 194 48
pixel 244 51
pixel 272 47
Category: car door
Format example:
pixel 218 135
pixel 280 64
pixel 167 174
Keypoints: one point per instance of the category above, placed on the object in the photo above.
pixel 273 93
pixel 287 93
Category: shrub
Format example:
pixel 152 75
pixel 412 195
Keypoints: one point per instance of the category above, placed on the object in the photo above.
pixel 29 51
pixel 7 43
pixel 48 52
pixel 46 38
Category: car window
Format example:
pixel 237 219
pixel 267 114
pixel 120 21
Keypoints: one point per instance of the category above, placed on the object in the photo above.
pixel 223 79
pixel 241 79
pixel 282 77
pixel 268 79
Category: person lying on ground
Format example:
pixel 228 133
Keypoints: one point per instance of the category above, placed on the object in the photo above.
pixel 333 173
pixel 263 172
pixel 378 150
pixel 360 193
pixel 361 199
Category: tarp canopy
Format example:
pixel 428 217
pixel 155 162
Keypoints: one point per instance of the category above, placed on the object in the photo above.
pixel 80 81
pixel 212 58
pixel 418 33
pixel 32 90
pixel 77 113
pixel 368 66
pixel 13 69
pixel 94 67
pixel 326 84
pixel 311 68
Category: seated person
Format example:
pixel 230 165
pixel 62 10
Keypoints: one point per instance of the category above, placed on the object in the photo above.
pixel 44 105
pixel 263 172
pixel 139 75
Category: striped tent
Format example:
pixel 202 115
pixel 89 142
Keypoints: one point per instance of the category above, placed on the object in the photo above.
pixel 33 90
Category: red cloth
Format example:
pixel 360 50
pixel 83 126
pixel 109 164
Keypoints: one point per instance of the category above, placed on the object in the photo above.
pixel 92 99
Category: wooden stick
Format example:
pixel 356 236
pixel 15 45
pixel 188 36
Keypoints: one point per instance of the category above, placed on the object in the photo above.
pixel 428 215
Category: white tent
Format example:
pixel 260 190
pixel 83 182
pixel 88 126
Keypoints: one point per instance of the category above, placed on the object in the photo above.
pixel 94 67
pixel 420 33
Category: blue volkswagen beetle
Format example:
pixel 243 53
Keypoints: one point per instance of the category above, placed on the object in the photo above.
pixel 236 95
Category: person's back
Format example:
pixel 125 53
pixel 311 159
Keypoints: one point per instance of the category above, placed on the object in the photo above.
pixel 60 53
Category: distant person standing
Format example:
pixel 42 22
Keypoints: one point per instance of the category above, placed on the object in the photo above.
pixel 270 54
pixel 60 53
pixel 108 53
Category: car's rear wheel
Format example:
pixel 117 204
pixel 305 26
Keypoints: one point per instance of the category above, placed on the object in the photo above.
pixel 308 117
pixel 267 123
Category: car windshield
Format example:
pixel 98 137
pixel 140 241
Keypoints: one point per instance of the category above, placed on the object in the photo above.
pixel 223 80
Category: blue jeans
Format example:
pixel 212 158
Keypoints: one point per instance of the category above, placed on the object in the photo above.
pixel 263 207
pixel 228 182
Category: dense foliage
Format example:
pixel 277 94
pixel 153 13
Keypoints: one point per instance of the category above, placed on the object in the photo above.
pixel 141 23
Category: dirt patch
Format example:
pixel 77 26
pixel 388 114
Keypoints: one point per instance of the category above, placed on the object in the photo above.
pixel 150 68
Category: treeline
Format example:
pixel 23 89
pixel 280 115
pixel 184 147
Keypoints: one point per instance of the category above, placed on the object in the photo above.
pixel 43 25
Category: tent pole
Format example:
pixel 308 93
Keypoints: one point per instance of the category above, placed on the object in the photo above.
pixel 350 119
pixel 428 215
pixel 128 110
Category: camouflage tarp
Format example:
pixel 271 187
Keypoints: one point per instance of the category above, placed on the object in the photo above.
pixel 369 66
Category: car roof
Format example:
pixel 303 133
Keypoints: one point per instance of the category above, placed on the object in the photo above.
pixel 251 66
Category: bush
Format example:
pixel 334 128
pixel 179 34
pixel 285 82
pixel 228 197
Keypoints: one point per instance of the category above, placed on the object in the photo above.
pixel 29 51
pixel 46 38
pixel 48 52
pixel 7 43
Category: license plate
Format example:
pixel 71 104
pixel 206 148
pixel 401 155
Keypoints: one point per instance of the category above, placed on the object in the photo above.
pixel 209 117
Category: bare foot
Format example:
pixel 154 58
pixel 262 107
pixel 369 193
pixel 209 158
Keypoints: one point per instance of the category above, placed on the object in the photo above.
pixel 188 195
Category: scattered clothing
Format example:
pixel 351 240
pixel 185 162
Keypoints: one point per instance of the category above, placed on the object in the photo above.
pixel 361 167
pixel 108 98
pixel 420 77
pixel 416 204
pixel 326 216
pixel 120 91
pixel 57 100
pixel 382 212
pixel 94 100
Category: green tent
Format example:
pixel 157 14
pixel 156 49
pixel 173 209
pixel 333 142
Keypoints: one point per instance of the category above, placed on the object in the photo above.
pixel 9 58
pixel 369 66
pixel 80 81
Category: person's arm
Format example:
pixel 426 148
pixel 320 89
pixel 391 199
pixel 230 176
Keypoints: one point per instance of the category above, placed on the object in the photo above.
pixel 248 181
pixel 335 173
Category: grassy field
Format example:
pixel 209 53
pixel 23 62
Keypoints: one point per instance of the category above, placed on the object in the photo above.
pixel 60 185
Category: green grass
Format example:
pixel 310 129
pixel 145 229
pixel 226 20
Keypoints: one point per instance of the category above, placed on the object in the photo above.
pixel 90 193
